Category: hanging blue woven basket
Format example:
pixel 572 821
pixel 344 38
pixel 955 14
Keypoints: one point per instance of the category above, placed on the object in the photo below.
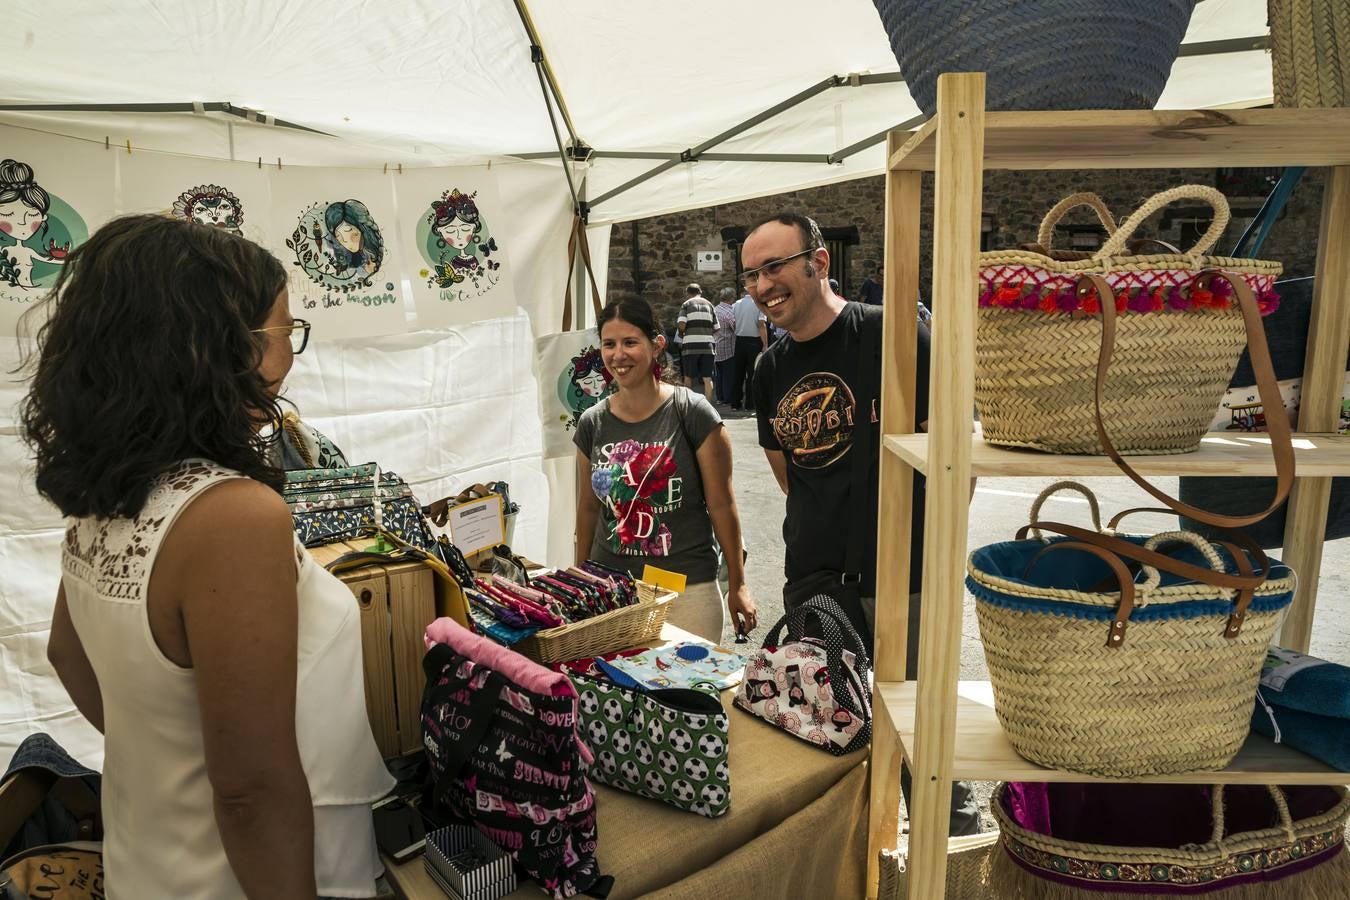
pixel 1040 54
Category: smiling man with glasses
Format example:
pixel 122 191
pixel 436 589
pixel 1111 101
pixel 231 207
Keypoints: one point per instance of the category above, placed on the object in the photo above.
pixel 818 400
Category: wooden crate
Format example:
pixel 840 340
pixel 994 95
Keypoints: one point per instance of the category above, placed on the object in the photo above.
pixel 397 602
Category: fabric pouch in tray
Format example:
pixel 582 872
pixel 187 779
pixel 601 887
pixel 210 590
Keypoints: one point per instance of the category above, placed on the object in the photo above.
pixel 668 744
pixel 329 505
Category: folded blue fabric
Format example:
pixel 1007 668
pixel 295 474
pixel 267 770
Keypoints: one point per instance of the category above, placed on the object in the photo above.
pixel 1321 737
pixel 1296 681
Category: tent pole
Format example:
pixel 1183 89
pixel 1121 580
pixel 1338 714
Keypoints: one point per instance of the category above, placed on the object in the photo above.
pixel 533 35
pixel 907 125
pixel 220 107
pixel 693 153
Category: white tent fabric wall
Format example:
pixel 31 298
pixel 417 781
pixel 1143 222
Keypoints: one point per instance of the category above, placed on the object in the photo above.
pixel 442 408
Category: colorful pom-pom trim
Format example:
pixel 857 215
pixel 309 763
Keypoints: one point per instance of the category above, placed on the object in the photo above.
pixel 1218 294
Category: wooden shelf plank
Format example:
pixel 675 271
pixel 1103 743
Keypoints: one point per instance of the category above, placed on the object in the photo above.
pixel 1220 453
pixel 1149 139
pixel 983 752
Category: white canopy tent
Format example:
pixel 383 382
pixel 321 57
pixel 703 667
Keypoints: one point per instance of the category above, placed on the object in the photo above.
pixel 416 84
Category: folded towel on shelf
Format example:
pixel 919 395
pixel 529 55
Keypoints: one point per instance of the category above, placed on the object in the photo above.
pixel 1305 683
pixel 1322 737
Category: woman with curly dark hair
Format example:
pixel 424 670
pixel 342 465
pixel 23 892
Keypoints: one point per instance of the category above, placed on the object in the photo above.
pixel 219 661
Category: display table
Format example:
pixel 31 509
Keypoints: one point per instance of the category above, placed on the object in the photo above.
pixel 797 827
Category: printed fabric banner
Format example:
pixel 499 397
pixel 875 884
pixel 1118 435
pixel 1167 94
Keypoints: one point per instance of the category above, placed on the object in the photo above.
pixel 459 270
pixel 53 192
pixel 233 196
pixel 335 231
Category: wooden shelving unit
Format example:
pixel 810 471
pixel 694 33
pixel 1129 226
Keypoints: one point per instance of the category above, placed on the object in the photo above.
pixel 947 730
pixel 1234 453
pixel 983 752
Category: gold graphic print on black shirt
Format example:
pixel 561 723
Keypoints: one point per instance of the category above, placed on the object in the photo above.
pixel 814 421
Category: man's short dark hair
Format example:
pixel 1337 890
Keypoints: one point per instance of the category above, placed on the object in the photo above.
pixel 805 225
pixel 693 290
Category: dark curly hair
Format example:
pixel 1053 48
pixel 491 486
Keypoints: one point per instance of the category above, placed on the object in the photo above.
pixel 147 358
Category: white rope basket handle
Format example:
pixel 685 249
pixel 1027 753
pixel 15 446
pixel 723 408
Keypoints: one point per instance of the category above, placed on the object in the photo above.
pixel 1046 235
pixel 1153 578
pixel 1220 815
pixel 1116 243
pixel 1065 486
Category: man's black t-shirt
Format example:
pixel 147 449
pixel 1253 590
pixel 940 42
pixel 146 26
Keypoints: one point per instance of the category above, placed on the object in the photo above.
pixel 807 398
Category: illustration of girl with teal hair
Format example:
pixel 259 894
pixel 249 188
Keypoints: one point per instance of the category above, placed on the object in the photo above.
pixel 23 222
pixel 352 239
pixel 458 227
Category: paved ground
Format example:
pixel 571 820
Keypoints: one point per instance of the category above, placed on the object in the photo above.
pixel 999 507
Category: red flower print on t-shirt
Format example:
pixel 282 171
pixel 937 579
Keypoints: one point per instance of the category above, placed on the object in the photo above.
pixel 650 471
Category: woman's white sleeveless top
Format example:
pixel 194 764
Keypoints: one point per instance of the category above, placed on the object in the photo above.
pixel 160 834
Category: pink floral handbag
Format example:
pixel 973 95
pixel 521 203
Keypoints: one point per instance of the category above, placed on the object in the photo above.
pixel 815 684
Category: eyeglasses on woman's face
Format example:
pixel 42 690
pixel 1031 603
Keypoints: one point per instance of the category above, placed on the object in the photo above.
pixel 298 332
pixel 771 269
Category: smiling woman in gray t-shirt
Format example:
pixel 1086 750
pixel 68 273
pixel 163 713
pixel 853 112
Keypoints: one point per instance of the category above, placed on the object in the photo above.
pixel 654 477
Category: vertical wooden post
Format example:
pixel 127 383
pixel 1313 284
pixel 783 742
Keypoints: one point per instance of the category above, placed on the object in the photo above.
pixel 958 189
pixel 896 497
pixel 1320 406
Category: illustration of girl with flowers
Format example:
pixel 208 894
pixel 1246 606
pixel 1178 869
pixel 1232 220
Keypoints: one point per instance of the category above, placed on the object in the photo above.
pixel 463 253
pixel 582 384
pixel 658 462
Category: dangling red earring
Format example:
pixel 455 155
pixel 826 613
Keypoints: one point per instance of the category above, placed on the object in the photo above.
pixel 656 371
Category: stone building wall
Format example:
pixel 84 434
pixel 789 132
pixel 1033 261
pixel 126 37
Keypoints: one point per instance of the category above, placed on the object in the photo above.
pixel 1014 202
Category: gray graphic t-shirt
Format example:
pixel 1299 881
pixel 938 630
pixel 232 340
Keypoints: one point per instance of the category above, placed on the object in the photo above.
pixel 646 477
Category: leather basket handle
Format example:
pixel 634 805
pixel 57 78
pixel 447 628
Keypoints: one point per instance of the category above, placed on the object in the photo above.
pixel 1281 444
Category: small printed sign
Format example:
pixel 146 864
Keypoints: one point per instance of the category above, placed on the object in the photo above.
pixel 709 260
pixel 478 524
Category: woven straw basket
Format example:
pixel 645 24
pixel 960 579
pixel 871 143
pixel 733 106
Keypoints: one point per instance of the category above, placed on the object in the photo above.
pixel 1294 849
pixel 1310 52
pixel 1170 689
pixel 1278 844
pixel 1178 337
pixel 620 629
pixel 1040 54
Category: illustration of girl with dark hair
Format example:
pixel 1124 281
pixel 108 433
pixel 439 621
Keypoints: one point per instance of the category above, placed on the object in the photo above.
pixel 23 217
pixel 352 239
pixel 456 222
pixel 210 204
pixel 583 385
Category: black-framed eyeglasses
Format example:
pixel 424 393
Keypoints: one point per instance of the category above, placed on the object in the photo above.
pixel 771 268
pixel 298 331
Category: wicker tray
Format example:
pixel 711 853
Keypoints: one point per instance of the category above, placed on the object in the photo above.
pixel 632 626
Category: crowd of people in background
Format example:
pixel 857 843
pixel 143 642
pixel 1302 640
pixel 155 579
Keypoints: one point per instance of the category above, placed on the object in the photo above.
pixel 712 348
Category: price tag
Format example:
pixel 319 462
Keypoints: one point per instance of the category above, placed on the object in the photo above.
pixel 671 581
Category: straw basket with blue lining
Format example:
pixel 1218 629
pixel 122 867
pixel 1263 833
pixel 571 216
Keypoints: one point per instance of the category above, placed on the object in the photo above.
pixel 1098 672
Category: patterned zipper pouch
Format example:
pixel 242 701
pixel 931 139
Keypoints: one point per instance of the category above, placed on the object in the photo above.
pixel 668 744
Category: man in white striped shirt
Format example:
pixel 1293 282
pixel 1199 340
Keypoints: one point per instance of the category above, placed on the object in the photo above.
pixel 698 325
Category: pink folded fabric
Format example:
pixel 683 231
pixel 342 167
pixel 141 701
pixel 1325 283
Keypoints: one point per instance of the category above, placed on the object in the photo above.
pixel 524 672
pixel 520 590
